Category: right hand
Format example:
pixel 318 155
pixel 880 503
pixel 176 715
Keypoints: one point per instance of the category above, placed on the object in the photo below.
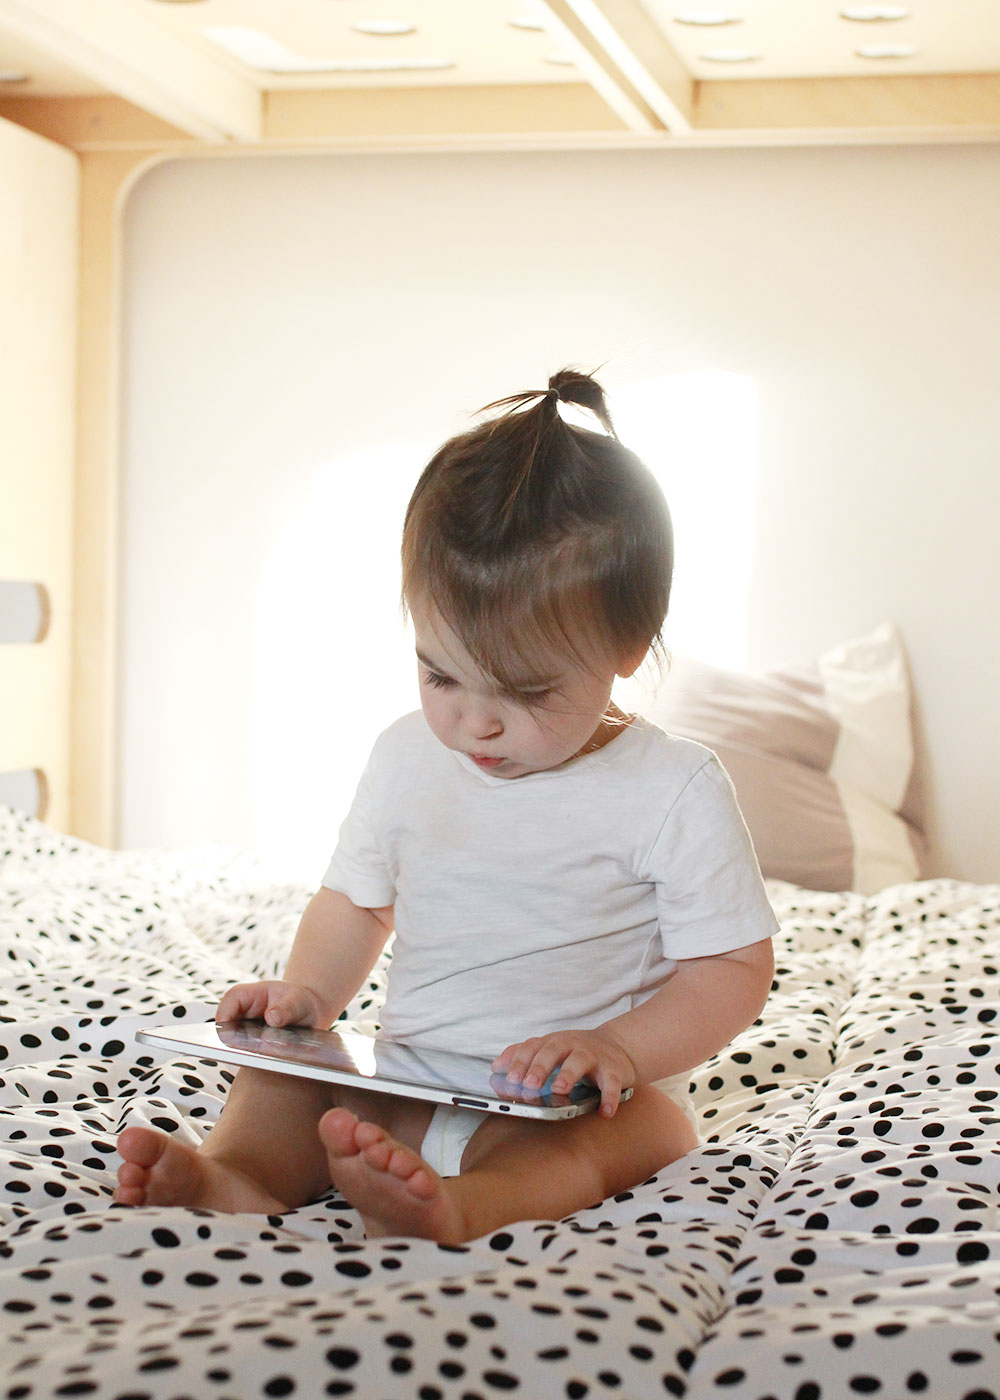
pixel 276 1003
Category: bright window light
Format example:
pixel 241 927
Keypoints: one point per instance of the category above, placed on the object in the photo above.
pixel 333 662
pixel 698 433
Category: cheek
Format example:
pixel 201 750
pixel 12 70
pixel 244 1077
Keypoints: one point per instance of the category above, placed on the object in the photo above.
pixel 436 710
pixel 570 726
pixel 541 731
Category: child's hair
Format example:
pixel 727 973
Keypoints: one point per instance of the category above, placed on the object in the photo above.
pixel 531 538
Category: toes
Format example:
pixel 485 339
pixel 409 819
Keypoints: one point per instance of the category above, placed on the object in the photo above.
pixel 346 1138
pixel 378 1154
pixel 422 1185
pixel 336 1129
pixel 130 1175
pixel 403 1163
pixel 370 1135
pixel 133 1181
pixel 405 1166
pixel 142 1146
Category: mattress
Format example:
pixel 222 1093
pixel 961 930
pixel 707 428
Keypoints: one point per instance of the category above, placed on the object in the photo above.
pixel 836 1234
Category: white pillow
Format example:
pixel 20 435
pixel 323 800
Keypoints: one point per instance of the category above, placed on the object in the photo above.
pixel 821 756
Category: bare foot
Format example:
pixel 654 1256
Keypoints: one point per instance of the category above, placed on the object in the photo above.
pixel 391 1186
pixel 157 1171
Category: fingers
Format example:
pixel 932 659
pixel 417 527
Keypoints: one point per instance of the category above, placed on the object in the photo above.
pixel 289 1007
pixel 606 1074
pixel 276 1003
pixel 611 1095
pixel 532 1062
pixel 245 1002
pixel 576 1056
pixel 514 1061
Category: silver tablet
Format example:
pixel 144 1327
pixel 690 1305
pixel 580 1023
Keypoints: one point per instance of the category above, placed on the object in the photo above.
pixel 383 1066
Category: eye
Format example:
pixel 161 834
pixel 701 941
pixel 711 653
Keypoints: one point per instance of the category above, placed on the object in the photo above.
pixel 530 698
pixel 438 681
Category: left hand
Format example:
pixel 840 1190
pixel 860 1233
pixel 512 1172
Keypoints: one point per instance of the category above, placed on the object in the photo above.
pixel 594 1055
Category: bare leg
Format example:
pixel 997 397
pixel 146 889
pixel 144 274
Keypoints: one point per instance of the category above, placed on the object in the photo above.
pixel 263 1155
pixel 512 1169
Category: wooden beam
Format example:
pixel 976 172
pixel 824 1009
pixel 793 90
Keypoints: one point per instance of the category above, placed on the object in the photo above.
pixel 930 102
pixel 106 178
pixel 958 106
pixel 413 114
pixel 93 123
pixel 334 118
pixel 627 57
pixel 124 51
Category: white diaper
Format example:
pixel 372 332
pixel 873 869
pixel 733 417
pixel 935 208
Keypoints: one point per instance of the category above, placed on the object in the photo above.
pixel 447 1136
pixel 451 1127
pixel 676 1088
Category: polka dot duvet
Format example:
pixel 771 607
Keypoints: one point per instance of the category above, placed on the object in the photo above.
pixel 837 1235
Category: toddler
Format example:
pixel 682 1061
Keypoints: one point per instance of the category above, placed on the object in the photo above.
pixel 571 889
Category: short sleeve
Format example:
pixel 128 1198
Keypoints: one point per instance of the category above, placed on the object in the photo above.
pixel 358 867
pixel 709 890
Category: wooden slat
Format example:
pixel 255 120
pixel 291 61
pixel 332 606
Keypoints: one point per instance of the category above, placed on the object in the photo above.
pixel 626 56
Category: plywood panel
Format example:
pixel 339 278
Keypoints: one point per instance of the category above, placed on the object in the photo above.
pixel 38 253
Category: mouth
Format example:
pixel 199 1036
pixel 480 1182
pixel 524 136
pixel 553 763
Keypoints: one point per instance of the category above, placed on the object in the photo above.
pixel 485 761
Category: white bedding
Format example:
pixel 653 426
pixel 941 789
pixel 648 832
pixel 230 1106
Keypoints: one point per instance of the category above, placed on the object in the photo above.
pixel 840 1237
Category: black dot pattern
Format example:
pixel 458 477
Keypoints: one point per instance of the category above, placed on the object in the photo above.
pixel 836 1236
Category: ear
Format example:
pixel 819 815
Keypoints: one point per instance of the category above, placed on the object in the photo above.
pixel 630 664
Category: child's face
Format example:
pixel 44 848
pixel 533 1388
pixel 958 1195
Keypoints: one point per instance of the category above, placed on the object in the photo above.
pixel 564 716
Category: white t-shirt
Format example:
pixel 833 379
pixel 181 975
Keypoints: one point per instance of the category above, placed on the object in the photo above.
pixel 559 899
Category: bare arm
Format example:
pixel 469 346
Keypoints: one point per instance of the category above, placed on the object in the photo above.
pixel 334 950
pixel 698 1010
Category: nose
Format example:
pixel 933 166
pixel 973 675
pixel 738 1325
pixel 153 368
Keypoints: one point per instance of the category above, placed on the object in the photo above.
pixel 484 720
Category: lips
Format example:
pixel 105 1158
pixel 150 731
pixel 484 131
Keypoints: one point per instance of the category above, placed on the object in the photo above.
pixel 485 761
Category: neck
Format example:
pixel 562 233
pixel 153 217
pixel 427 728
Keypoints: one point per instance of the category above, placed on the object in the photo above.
pixel 611 725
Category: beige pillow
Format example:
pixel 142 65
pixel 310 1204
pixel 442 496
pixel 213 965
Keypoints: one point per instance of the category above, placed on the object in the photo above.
pixel 821 756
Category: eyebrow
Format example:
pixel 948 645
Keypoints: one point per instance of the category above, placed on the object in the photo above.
pixel 431 665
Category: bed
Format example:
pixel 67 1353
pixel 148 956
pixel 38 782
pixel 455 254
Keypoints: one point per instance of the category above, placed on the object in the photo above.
pixel 836 1234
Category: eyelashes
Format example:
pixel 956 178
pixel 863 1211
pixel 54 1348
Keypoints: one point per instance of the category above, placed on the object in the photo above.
pixel 533 697
pixel 438 681
pixel 528 698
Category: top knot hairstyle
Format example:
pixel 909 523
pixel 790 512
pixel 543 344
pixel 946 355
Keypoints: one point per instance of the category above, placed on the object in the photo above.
pixel 532 537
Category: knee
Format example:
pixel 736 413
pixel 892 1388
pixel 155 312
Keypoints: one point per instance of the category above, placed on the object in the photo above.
pixel 658 1127
pixel 664 1120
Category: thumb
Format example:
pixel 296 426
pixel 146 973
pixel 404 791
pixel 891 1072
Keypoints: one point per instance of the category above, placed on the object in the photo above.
pixel 281 1010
